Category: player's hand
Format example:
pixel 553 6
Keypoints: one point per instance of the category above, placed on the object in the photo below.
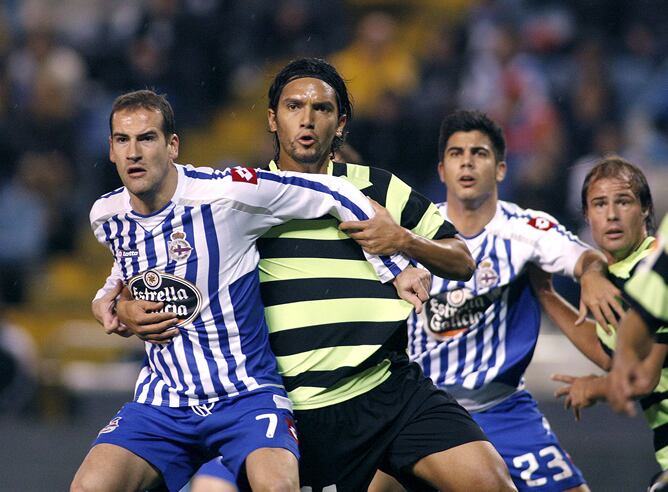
pixel 413 286
pixel 379 235
pixel 576 393
pixel 622 379
pixel 143 319
pixel 104 310
pixel 601 297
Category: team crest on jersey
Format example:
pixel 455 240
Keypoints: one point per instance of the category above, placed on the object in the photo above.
pixel 485 275
pixel 178 248
pixel 244 174
pixel 450 313
pixel 178 295
pixel 541 223
pixel 111 426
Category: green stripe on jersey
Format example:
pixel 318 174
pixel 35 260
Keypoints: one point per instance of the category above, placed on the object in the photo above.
pixel 308 313
pixel 295 268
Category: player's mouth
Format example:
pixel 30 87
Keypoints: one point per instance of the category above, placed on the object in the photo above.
pixel 307 139
pixel 136 171
pixel 466 181
pixel 614 233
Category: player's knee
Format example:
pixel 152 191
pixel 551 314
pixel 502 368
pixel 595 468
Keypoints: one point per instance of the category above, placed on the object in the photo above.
pixel 84 482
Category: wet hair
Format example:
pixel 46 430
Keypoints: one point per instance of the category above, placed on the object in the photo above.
pixel 318 69
pixel 146 99
pixel 614 166
pixel 468 121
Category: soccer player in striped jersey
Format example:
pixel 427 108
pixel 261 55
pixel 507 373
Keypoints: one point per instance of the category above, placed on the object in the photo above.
pixel 184 237
pixel 475 338
pixel 338 334
pixel 617 204
pixel 647 293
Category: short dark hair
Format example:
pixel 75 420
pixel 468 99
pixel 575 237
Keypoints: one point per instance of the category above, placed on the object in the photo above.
pixel 316 68
pixel 614 166
pixel 146 99
pixel 468 121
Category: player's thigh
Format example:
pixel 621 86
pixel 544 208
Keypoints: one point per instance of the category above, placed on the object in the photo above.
pixel 273 469
pixel 382 482
pixel 108 467
pixel 213 476
pixel 471 466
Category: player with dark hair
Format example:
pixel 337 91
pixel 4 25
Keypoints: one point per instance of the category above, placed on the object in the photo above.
pixel 339 336
pixel 475 338
pixel 184 238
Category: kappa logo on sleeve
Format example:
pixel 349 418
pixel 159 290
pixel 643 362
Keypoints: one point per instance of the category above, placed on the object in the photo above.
pixel 541 223
pixel 244 174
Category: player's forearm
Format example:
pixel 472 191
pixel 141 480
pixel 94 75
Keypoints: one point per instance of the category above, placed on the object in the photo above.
pixel 583 336
pixel 447 258
pixel 634 340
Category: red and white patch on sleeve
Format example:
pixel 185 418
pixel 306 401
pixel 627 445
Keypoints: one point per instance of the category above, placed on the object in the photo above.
pixel 541 223
pixel 244 174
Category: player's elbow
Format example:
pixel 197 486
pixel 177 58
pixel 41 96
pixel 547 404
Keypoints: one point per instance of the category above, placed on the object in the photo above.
pixel 464 265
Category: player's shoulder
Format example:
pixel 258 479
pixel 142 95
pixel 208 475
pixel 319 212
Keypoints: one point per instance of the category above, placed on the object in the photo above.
pixel 110 204
pixel 205 183
pixel 524 219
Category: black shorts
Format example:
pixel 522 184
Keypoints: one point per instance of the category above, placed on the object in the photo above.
pixel 390 428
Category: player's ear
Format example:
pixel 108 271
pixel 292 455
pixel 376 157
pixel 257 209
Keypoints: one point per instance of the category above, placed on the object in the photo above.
pixel 173 146
pixel 501 170
pixel 271 120
pixel 440 167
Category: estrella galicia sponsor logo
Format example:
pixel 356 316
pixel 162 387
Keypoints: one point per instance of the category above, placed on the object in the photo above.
pixel 178 295
pixel 450 313
pixel 111 426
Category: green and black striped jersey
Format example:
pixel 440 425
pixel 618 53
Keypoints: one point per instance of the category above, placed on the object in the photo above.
pixel 332 324
pixel 654 405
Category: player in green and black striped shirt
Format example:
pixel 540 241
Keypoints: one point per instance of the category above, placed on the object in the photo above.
pixel 339 335
pixel 617 204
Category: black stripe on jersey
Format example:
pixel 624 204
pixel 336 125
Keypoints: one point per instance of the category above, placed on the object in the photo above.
pixel 290 342
pixel 339 169
pixel 381 183
pixel 276 247
pixel 315 289
pixel 327 379
pixel 606 349
pixel 662 337
pixel 661 265
pixel 661 437
pixel 414 210
pixel 653 399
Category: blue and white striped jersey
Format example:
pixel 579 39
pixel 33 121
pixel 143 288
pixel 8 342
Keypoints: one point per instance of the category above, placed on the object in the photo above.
pixel 198 256
pixel 476 338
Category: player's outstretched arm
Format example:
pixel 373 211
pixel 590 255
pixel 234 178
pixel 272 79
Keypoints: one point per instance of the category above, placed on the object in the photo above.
pixel 381 235
pixel 564 315
pixel 598 294
pixel 580 392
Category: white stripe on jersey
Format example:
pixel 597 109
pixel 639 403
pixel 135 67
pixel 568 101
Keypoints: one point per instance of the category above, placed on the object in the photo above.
pixel 198 255
pixel 463 339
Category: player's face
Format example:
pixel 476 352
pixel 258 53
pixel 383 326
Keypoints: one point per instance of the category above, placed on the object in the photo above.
pixel 469 169
pixel 144 156
pixel 616 217
pixel 306 121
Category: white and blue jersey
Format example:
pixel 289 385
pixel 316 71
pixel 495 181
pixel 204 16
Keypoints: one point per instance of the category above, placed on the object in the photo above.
pixel 198 256
pixel 476 338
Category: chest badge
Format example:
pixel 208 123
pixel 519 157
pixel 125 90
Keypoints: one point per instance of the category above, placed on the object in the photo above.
pixel 179 248
pixel 485 275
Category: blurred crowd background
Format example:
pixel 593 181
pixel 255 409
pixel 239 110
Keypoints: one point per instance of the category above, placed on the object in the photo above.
pixel 569 80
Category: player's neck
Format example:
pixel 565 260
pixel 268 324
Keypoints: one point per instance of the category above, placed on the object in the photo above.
pixel 319 167
pixel 470 217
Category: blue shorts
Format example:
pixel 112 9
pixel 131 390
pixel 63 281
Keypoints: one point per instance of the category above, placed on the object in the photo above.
pixel 522 436
pixel 177 441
